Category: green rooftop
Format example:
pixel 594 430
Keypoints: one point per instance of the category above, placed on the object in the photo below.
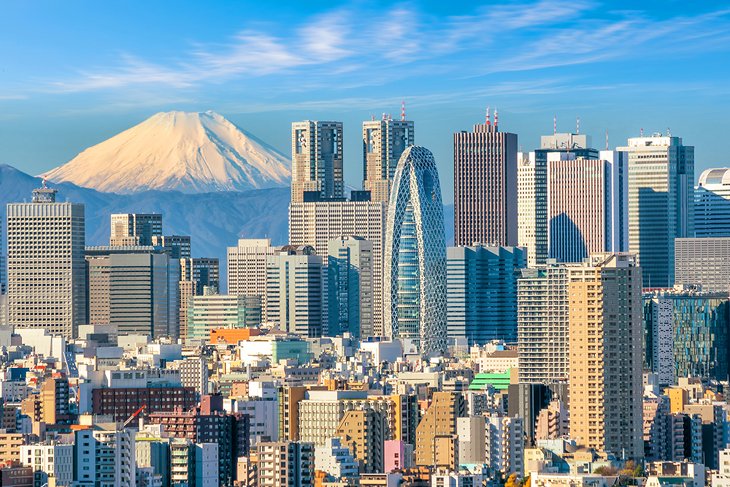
pixel 499 380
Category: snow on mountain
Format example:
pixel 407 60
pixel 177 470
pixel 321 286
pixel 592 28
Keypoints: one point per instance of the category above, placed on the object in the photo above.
pixel 178 151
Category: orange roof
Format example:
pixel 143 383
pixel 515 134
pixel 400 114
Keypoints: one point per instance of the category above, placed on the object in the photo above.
pixel 232 336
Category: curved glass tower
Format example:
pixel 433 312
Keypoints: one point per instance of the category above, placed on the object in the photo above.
pixel 415 254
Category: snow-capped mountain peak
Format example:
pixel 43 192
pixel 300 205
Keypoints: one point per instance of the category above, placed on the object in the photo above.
pixel 183 151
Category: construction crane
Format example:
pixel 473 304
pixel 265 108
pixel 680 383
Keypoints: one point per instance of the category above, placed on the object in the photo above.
pixel 133 416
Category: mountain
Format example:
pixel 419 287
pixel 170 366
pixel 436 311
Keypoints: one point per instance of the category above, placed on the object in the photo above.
pixel 177 151
pixel 213 220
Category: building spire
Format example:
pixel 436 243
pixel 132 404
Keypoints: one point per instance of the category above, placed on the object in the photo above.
pixel 489 122
pixel 403 110
pixel 577 125
pixel 606 139
pixel 496 118
pixel 555 124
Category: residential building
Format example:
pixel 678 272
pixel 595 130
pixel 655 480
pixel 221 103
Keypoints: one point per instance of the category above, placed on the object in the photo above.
pixel 481 287
pixel 712 204
pixel 606 354
pixel 134 228
pixel 104 456
pixel 49 460
pixel 350 286
pixel 533 190
pixel 661 174
pixel 135 289
pixel 440 420
pixel 316 223
pixel 542 324
pixel 505 445
pixel 587 205
pixel 286 464
pixel 485 186
pixel 471 432
pixel 383 142
pixel 415 254
pixel 364 432
pixel 46 267
pixel 703 262
pixel 316 159
pixel 335 460
pixel 294 291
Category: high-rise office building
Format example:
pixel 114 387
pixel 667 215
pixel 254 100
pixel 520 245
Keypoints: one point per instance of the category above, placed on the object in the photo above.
pixel 703 262
pixel 415 254
pixel 134 288
pixel 350 286
pixel 196 276
pixel 317 223
pixel 485 186
pixel 383 142
pixel 542 324
pixel 210 311
pixel 294 291
pixel 3 277
pixel 481 292
pixel 316 159
pixel 661 173
pixel 46 267
pixel 134 228
pixel 246 267
pixel 178 246
pixel 587 205
pixel 687 334
pixel 532 190
pixel 712 204
pixel 605 338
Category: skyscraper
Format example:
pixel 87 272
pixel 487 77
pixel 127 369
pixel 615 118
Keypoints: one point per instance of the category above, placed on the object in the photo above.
pixel 481 286
pixel 703 262
pixel 542 324
pixel 246 267
pixel 605 316
pixel 134 288
pixel 316 159
pixel 415 254
pixel 661 172
pixel 587 205
pixel 178 246
pixel 294 290
pixel 317 223
pixel 350 286
pixel 712 204
pixel 134 228
pixel 532 189
pixel 485 186
pixel 46 267
pixel 383 142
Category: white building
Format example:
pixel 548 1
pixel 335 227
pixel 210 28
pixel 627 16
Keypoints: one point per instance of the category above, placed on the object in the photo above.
pixel 504 444
pixel 193 373
pixel 206 465
pixel 246 267
pixel 14 391
pixel 49 461
pixel 335 459
pixel 46 267
pixel 712 204
pixel 263 416
pixel 471 432
pixel 105 456
pixel 456 479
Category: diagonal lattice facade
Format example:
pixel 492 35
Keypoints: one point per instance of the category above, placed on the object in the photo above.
pixel 415 254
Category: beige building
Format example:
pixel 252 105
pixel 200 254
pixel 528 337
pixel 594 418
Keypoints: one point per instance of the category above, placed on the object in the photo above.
pixel 383 142
pixel 317 223
pixel 439 420
pixel 134 228
pixel 364 432
pixel 285 463
pixel 246 267
pixel 605 340
pixel 316 149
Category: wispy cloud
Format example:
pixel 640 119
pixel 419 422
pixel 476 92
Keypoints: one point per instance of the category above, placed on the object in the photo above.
pixel 351 47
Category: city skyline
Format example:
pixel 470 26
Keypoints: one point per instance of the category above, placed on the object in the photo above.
pixel 264 74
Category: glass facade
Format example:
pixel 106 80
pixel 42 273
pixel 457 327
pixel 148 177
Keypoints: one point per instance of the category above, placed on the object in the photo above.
pixel 415 254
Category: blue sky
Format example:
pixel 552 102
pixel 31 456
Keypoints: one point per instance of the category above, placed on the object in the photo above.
pixel 75 73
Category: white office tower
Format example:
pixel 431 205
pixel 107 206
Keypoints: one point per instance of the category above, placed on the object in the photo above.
pixel 46 267
pixel 3 283
pixel 246 267
pixel 350 287
pixel 383 142
pixel 316 159
pixel 712 204
pixel 415 254
pixel 134 228
pixel 294 291
pixel 661 174
pixel 316 223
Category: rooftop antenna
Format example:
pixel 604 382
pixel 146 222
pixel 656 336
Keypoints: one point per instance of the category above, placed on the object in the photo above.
pixel 496 118
pixel 577 125
pixel 488 121
pixel 669 132
pixel 606 139
pixel 641 131
pixel 555 124
pixel 403 110
pixel 384 117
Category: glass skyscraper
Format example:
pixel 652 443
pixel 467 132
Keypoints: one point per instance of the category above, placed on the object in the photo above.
pixel 415 254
